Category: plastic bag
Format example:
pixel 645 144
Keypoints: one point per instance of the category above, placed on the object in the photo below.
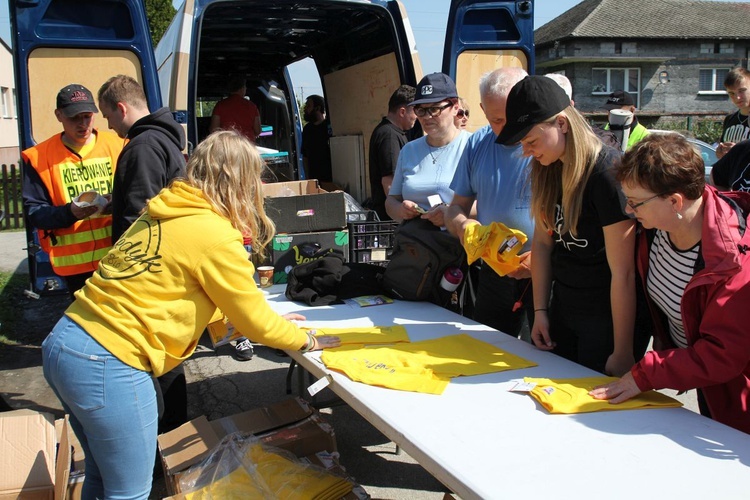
pixel 241 467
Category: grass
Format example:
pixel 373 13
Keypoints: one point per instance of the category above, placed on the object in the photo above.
pixel 11 289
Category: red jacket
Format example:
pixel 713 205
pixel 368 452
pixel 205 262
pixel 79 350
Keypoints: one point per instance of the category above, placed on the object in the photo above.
pixel 717 359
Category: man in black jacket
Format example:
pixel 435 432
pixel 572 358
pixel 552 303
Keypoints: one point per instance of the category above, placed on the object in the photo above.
pixel 150 160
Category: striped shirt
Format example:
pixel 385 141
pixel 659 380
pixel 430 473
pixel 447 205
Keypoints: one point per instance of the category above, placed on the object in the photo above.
pixel 669 271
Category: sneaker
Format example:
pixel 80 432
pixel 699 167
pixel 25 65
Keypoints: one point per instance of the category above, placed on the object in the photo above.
pixel 244 350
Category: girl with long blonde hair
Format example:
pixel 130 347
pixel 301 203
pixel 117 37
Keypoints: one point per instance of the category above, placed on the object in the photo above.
pixel 583 271
pixel 144 309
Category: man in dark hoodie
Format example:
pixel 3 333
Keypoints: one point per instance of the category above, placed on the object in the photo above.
pixel 150 160
pixel 152 156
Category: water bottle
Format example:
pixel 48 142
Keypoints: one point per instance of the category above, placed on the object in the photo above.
pixel 452 277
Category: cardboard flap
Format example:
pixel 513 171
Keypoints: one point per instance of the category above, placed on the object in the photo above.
pixel 188 444
pixel 265 419
pixel 62 469
pixel 293 188
pixel 27 452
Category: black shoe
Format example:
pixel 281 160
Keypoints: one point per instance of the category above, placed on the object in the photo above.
pixel 244 350
pixel 281 352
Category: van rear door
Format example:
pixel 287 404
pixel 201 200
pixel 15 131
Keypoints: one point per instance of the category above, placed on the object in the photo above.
pixel 58 42
pixel 482 36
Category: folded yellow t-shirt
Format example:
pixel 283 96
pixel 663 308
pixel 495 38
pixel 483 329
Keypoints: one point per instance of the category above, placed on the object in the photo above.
pixel 496 244
pixel 366 335
pixel 571 395
pixel 424 366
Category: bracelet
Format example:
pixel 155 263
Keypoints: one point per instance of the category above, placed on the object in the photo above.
pixel 310 343
pixel 541 309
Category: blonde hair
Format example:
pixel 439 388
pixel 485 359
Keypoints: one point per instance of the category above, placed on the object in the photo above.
pixel 565 179
pixel 227 168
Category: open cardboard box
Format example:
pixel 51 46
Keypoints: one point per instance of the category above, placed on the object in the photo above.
pixel 304 207
pixel 291 424
pixel 28 447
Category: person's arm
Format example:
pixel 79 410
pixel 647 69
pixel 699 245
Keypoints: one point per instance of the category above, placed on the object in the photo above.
pixel 721 172
pixel 399 209
pixel 541 279
pixel 723 148
pixel 42 213
pixel 458 215
pixel 215 123
pixel 386 182
pixel 619 244
pixel 256 126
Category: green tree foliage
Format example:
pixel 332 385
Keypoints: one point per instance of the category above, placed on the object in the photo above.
pixel 159 14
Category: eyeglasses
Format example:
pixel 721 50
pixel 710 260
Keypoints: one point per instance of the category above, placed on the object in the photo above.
pixel 463 112
pixel 635 206
pixel 433 111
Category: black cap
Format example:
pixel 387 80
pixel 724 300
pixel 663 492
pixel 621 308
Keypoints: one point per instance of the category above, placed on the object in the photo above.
pixel 435 87
pixel 618 99
pixel 74 99
pixel 532 100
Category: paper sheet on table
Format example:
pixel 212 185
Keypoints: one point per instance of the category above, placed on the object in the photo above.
pixel 366 335
pixel 424 366
pixel 571 395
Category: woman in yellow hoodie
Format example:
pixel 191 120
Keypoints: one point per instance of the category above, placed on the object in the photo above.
pixel 144 309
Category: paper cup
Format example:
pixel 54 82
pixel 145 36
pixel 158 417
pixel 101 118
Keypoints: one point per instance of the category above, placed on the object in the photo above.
pixel 265 275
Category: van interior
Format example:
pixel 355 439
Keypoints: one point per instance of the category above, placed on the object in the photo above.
pixel 354 47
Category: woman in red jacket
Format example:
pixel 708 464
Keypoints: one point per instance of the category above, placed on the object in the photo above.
pixel 693 256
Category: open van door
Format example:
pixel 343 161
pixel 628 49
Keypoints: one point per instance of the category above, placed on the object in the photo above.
pixel 58 42
pixel 482 36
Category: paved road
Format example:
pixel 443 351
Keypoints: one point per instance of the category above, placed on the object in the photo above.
pixel 13 252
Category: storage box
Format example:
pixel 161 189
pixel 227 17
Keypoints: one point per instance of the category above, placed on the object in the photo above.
pixel 28 444
pixel 290 250
pixel 77 459
pixel 291 424
pixel 303 207
pixel 371 242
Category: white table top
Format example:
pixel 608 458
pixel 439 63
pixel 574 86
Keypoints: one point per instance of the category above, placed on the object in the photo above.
pixel 483 441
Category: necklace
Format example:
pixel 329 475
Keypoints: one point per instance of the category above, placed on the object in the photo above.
pixel 435 158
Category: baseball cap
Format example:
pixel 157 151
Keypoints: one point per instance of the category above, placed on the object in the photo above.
pixel 531 101
pixel 435 87
pixel 619 98
pixel 74 99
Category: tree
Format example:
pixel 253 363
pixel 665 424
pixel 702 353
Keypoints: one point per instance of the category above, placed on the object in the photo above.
pixel 159 14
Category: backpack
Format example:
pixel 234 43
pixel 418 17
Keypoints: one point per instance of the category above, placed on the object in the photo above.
pixel 421 254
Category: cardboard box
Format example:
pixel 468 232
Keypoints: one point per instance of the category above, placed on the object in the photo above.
pixel 28 446
pixel 77 460
pixel 304 207
pixel 290 250
pixel 291 424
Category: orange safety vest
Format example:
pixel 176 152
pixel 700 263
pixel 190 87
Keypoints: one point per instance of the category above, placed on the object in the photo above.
pixel 78 248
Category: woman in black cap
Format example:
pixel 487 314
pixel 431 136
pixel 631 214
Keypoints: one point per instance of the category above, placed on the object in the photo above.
pixel 583 270
pixel 426 165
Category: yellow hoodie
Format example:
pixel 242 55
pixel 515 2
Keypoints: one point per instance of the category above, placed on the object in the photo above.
pixel 156 290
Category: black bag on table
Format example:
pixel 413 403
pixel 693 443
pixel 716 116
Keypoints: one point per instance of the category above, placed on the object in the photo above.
pixel 329 280
pixel 421 254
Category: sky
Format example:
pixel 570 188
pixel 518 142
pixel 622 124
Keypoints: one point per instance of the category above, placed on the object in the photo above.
pixel 428 19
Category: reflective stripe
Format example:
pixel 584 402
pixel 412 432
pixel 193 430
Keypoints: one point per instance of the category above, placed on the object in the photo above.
pixel 84 236
pixel 91 257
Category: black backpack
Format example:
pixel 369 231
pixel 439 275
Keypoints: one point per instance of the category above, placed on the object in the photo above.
pixel 421 254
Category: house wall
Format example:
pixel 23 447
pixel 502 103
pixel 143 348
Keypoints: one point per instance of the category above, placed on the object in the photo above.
pixel 682 60
pixel 8 125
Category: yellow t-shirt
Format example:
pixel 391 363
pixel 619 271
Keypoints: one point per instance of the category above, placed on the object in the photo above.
pixel 424 366
pixel 496 244
pixel 366 335
pixel 572 396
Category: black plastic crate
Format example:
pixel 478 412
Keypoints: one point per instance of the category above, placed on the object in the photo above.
pixel 371 242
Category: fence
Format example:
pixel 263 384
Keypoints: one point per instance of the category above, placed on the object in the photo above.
pixel 10 191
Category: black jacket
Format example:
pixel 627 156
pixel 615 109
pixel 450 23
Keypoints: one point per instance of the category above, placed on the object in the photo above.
pixel 149 162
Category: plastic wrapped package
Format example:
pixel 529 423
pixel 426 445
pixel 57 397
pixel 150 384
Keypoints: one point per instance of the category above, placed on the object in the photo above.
pixel 242 467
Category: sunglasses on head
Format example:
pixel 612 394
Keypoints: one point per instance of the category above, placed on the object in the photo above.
pixel 463 113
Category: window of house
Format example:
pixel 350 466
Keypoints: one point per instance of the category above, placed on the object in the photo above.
pixel 607 80
pixel 15 104
pixel 5 104
pixel 711 80
pixel 629 47
pixel 607 47
pixel 717 48
pixel 726 48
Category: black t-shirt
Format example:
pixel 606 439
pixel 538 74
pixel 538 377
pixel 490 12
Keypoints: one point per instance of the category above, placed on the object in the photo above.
pixel 385 145
pixel 733 169
pixel 315 148
pixel 580 260
pixel 736 127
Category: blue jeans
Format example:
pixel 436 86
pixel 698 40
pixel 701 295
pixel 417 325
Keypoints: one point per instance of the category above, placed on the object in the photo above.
pixel 112 408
